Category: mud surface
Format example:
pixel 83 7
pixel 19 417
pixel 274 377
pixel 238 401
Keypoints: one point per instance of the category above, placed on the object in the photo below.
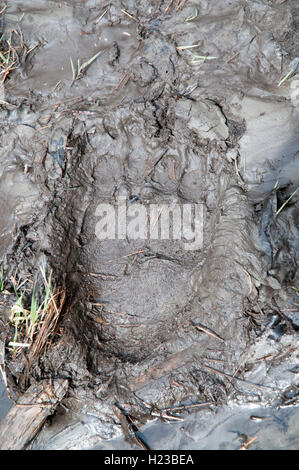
pixel 148 122
pixel 227 429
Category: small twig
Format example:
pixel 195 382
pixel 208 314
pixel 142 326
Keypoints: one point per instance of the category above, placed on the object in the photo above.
pixel 285 203
pixel 213 359
pixel 42 128
pixel 163 415
pixel 200 59
pixel 229 376
pixel 236 371
pixel 126 75
pixel 119 313
pixel 121 325
pixel 128 14
pixel 3 9
pixel 68 100
pixel 109 276
pixel 247 444
pixel 157 219
pixel 180 5
pixel 208 331
pixel 101 16
pixel 283 316
pixel 186 407
pixel 134 253
pixel 19 345
pixel 260 418
pixel 42 404
pixel 155 164
pixel 192 46
pixel 168 6
pixel 57 85
pixel 137 434
pixel 32 48
pixel 233 57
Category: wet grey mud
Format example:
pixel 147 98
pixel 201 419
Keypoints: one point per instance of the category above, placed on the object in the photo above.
pixel 156 102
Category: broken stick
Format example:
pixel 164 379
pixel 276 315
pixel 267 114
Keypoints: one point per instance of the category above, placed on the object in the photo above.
pixel 25 418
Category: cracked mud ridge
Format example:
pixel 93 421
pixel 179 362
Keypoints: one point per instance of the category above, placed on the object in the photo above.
pixel 157 103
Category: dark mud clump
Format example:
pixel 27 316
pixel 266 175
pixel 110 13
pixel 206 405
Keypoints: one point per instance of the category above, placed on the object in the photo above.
pixel 148 322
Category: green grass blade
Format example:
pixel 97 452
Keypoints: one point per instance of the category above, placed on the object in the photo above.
pixel 73 70
pixel 34 309
pixel 86 64
pixel 192 17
